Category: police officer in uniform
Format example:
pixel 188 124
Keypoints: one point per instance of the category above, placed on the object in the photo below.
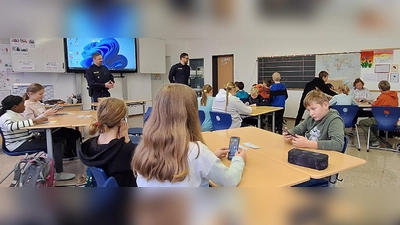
pixel 180 72
pixel 99 78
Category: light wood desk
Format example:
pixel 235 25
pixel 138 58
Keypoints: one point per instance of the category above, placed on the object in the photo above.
pixel 67 107
pixel 260 110
pixel 275 147
pixel 260 171
pixel 64 119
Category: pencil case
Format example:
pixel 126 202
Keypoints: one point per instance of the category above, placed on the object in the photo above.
pixel 313 160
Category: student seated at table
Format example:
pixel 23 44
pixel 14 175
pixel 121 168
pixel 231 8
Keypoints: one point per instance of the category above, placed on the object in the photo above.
pixel 255 99
pixel 111 150
pixel 360 93
pixel 241 94
pixel 322 129
pixel 386 98
pixel 227 102
pixel 16 139
pixel 278 96
pixel 35 109
pixel 264 88
pixel 343 97
pixel 172 152
pixel 205 103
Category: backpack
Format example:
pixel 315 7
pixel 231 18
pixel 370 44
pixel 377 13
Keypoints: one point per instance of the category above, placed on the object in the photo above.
pixel 34 172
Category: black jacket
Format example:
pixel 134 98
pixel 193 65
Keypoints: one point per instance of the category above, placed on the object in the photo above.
pixel 97 76
pixel 317 83
pixel 179 73
pixel 114 158
pixel 259 101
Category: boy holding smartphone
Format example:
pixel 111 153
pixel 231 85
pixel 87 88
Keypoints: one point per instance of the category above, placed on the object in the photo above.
pixel 322 129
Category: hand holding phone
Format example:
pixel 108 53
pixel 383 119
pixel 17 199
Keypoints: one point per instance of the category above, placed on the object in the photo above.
pixel 285 130
pixel 233 147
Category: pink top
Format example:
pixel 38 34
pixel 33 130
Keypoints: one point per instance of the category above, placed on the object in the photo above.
pixel 33 110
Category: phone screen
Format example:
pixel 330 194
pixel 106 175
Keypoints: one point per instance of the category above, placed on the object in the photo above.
pixel 287 131
pixel 233 147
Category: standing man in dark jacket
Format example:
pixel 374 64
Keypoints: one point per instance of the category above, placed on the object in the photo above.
pixel 99 78
pixel 312 85
pixel 180 72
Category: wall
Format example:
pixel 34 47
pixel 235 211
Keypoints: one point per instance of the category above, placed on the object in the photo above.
pixel 246 52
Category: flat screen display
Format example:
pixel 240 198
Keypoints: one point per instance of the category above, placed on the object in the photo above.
pixel 119 54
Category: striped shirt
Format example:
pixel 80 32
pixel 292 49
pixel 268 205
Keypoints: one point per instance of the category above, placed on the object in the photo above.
pixel 11 122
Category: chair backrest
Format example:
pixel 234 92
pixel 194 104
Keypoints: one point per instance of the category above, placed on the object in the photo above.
pixel 347 112
pixel 10 153
pixel 110 182
pixel 99 175
pixel 220 120
pixel 202 116
pixel 386 117
pixel 346 141
pixel 147 114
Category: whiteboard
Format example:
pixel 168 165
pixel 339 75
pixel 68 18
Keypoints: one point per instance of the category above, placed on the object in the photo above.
pixel 44 55
pixel 151 55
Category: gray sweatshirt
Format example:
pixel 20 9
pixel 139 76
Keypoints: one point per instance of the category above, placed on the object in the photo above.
pixel 328 132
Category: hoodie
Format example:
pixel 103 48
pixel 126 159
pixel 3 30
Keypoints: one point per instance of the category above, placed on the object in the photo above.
pixel 278 95
pixel 387 98
pixel 328 132
pixel 317 83
pixel 235 107
pixel 114 158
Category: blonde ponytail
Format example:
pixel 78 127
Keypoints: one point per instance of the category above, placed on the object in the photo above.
pixel 228 88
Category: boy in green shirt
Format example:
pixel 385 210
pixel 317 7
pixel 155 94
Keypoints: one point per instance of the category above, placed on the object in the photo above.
pixel 322 129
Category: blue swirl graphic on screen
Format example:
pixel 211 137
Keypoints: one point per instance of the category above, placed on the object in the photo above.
pixel 109 49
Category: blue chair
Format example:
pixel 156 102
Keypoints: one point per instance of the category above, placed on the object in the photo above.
pixel 135 139
pixel 220 120
pixel 110 182
pixel 348 113
pixel 101 178
pixel 11 153
pixel 202 116
pixel 139 130
pixel 387 118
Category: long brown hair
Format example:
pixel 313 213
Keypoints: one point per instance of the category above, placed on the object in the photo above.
pixel 109 114
pixel 228 88
pixel 206 89
pixel 32 88
pixel 162 154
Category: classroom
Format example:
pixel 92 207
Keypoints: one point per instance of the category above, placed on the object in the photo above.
pixel 44 61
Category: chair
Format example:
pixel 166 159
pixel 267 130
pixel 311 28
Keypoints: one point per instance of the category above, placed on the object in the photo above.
pixel 348 112
pixel 11 153
pixel 139 130
pixel 135 139
pixel 387 118
pixel 101 178
pixel 330 181
pixel 202 116
pixel 220 120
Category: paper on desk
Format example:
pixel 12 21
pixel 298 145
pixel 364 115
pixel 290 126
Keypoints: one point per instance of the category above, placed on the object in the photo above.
pixel 250 145
pixel 51 122
pixel 81 116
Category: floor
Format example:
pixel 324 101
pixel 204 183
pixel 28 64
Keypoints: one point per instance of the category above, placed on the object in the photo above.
pixel 381 169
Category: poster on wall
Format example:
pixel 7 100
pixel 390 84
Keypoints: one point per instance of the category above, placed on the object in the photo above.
pixel 383 56
pixel 394 68
pixel 382 68
pixel 382 76
pixel 394 77
pixel 367 59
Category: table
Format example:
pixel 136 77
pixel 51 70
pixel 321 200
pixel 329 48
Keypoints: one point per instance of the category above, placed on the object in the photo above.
pixel 260 110
pixel 68 107
pixel 64 119
pixel 275 147
pixel 130 103
pixel 260 171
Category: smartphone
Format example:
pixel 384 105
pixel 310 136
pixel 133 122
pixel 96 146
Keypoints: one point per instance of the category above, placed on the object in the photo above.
pixel 287 131
pixel 57 107
pixel 124 119
pixel 233 146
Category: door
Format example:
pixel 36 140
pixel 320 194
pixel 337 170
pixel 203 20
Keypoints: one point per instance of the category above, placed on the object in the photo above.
pixel 222 71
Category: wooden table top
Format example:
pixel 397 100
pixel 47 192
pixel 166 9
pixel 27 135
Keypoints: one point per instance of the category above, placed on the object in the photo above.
pixel 260 171
pixel 126 102
pixel 67 119
pixel 259 110
pixel 275 147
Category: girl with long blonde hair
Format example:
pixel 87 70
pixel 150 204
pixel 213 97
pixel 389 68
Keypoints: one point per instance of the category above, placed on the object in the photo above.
pixel 227 102
pixel 172 152
pixel 205 103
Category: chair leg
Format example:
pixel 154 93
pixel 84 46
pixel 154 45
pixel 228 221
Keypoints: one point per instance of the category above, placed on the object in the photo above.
pixel 369 133
pixel 358 138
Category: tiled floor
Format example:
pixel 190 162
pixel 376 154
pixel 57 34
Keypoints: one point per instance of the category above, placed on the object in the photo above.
pixel 381 170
